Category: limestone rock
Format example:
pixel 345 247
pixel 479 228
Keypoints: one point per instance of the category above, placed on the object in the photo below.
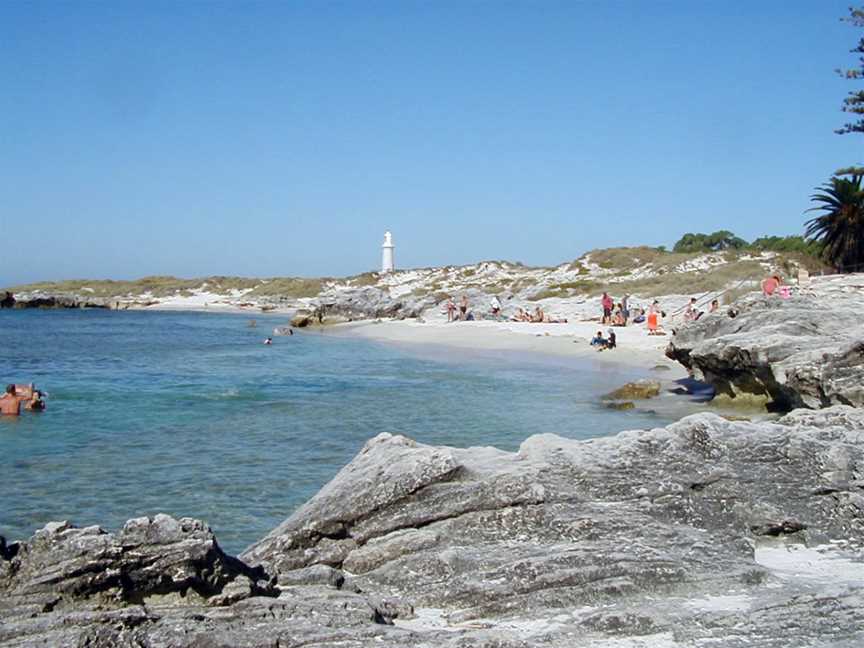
pixel 679 536
pixel 620 405
pixel 639 389
pixel 806 351
pixel 63 565
pixel 322 530
pixel 301 319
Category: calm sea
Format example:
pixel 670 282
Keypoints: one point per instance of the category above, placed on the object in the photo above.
pixel 190 414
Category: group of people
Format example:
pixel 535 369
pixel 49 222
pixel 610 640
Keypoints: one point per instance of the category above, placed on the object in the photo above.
pixel 692 312
pixel 462 314
pixel 604 343
pixel 15 395
pixel 615 314
pixel 539 316
pixel 621 314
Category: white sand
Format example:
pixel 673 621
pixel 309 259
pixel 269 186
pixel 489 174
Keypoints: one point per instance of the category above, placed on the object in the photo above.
pixel 201 300
pixel 635 347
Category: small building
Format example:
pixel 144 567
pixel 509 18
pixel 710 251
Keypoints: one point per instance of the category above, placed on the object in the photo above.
pixel 387 253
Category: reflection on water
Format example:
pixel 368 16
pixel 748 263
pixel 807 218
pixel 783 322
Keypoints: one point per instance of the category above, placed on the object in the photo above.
pixel 189 414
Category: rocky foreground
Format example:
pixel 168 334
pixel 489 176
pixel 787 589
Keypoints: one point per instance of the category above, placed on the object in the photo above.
pixel 705 533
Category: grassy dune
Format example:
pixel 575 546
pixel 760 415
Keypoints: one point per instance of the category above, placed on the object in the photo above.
pixel 636 270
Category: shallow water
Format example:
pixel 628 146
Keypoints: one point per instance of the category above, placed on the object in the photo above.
pixel 191 415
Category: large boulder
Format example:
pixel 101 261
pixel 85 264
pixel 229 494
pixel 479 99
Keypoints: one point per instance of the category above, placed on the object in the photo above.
pixel 805 351
pixel 598 538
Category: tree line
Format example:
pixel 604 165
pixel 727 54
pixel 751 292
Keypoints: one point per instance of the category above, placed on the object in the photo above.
pixel 838 226
pixel 726 240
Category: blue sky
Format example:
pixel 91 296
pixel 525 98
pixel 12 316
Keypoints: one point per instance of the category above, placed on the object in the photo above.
pixel 283 138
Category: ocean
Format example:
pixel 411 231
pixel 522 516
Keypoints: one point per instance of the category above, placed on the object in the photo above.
pixel 191 415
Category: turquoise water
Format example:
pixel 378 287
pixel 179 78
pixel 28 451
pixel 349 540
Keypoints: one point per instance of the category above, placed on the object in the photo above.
pixel 190 414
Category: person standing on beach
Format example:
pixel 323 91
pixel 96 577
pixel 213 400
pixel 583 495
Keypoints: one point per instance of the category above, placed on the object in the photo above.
pixel 625 308
pixel 451 310
pixel 607 303
pixel 463 308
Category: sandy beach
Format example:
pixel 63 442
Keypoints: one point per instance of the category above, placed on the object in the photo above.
pixel 635 349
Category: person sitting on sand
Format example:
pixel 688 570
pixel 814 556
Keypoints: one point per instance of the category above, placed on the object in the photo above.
pixel 539 316
pixel 771 284
pixel 518 316
pixel 618 317
pixel 609 343
pixel 638 315
pixel 598 340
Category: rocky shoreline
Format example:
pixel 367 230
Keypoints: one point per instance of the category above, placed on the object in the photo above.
pixel 658 536
pixel 708 532
pixel 805 351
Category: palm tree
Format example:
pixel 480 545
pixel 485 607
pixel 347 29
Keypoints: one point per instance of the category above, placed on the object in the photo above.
pixel 840 226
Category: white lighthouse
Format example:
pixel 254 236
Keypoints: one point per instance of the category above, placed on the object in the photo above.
pixel 387 253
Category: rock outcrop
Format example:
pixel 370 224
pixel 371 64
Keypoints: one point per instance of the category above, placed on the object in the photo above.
pixel 805 351
pixel 63 566
pixel 707 532
pixel 638 389
pixel 54 302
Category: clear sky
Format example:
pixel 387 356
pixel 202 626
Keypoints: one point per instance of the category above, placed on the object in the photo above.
pixel 283 138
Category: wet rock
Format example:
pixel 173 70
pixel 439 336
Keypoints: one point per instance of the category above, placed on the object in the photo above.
pixel 301 319
pixel 639 389
pixel 619 405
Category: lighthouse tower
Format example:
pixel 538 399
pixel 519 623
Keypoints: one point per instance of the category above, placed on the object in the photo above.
pixel 387 253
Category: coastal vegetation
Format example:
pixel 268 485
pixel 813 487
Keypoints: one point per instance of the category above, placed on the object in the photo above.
pixel 839 227
pixel 639 270
pixel 854 101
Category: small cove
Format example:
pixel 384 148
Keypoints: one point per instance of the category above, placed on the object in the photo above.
pixel 189 414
